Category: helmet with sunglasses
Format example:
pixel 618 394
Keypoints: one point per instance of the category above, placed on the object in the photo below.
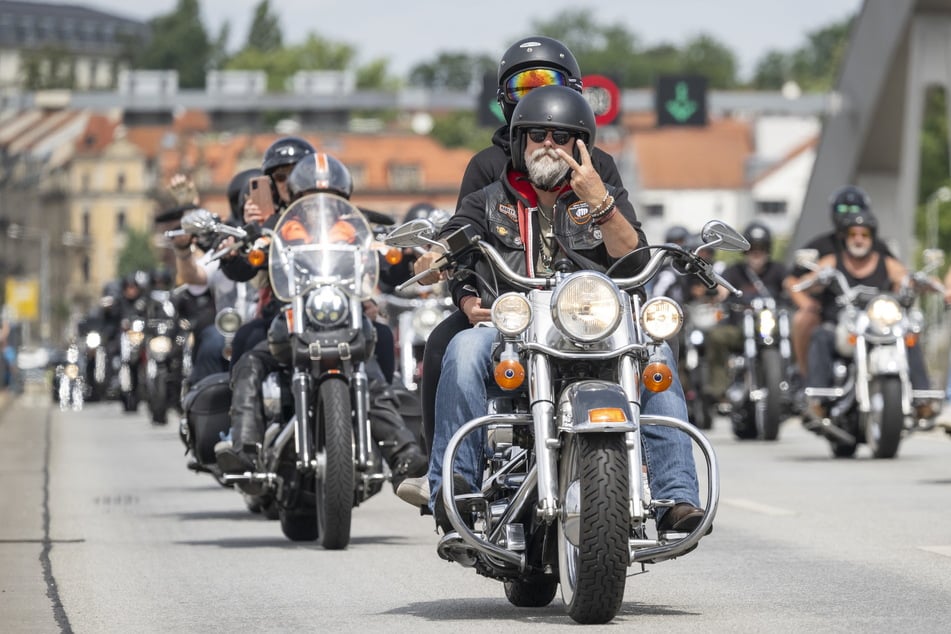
pixel 319 172
pixel 533 62
pixel 552 107
pixel 238 191
pixel 759 237
pixel 847 201
pixel 285 151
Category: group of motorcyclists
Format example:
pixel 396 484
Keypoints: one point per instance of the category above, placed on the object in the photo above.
pixel 549 201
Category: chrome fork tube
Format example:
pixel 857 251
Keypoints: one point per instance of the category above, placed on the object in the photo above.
pixel 301 385
pixel 630 382
pixel 543 414
pixel 361 406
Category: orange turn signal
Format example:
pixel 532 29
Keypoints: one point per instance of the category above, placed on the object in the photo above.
pixel 256 257
pixel 911 339
pixel 853 339
pixel 607 415
pixel 509 374
pixel 289 314
pixel 394 256
pixel 657 376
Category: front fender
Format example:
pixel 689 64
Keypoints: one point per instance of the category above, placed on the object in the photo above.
pixel 886 360
pixel 594 406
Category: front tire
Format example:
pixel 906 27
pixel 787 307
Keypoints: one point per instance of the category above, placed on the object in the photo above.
pixel 886 420
pixel 158 398
pixel 593 549
pixel 334 481
pixel 531 594
pixel 770 414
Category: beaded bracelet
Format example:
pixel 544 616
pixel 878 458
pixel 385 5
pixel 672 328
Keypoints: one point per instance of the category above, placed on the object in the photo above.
pixel 599 212
pixel 601 204
pixel 610 213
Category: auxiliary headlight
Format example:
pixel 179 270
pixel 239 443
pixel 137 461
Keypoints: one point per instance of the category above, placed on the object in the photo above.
pixel 587 307
pixel 136 337
pixel 327 306
pixel 160 347
pixel 661 318
pixel 511 314
pixel 227 321
pixel 883 313
pixel 71 371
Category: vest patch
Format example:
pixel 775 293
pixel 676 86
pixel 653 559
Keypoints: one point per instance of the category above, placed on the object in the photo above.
pixel 579 213
pixel 508 211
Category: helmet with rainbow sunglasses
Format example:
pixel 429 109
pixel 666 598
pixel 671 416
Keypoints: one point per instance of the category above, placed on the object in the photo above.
pixel 532 62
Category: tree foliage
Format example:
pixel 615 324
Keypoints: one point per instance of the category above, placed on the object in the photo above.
pixel 452 71
pixel 814 65
pixel 265 32
pixel 179 42
pixel 138 254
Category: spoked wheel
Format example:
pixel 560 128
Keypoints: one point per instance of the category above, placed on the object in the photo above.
pixel 593 549
pixel 886 420
pixel 769 412
pixel 334 481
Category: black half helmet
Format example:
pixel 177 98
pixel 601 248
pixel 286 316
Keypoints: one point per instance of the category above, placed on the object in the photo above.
pixel 551 107
pixel 848 200
pixel 858 219
pixel 319 172
pixel 238 191
pixel 285 151
pixel 677 234
pixel 535 52
pixel 759 236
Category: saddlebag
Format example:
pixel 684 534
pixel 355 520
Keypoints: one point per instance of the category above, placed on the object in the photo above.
pixel 208 411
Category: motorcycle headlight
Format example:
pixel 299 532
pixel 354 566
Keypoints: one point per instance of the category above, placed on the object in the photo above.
pixel 159 347
pixel 587 307
pixel 767 323
pixel 661 318
pixel 227 321
pixel 327 306
pixel 425 319
pixel 511 314
pixel 93 340
pixel 883 312
pixel 71 371
pixel 136 337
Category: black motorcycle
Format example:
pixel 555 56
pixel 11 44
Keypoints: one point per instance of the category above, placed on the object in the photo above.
pixel 165 338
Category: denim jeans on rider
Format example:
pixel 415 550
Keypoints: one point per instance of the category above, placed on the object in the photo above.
pixel 466 385
pixel 822 352
pixel 208 355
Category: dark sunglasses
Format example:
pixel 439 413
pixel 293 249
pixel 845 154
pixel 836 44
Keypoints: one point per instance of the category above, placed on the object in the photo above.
pixel 280 177
pixel 560 137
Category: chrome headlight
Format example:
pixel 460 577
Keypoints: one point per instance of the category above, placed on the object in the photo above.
pixel 883 312
pixel 71 371
pixel 587 307
pixel 661 318
pixel 159 347
pixel 511 314
pixel 93 340
pixel 327 306
pixel 135 338
pixel 227 321
pixel 425 319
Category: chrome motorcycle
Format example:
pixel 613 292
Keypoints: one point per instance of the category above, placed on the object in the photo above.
pixel 871 399
pixel 69 383
pixel 165 341
pixel 318 459
pixel 131 340
pixel 758 397
pixel 565 499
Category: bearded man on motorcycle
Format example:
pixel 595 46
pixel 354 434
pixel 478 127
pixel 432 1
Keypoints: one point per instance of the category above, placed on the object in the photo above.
pixel 314 173
pixel 548 205
pixel 758 276
pixel 862 265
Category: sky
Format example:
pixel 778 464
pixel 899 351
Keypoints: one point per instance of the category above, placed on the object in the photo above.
pixel 413 31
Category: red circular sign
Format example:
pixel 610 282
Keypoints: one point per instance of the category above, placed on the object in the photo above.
pixel 604 97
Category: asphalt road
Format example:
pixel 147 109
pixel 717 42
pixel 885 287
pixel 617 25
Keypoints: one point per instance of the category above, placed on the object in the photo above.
pixel 104 530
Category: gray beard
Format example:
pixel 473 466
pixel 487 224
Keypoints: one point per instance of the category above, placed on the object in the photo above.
pixel 545 169
pixel 859 254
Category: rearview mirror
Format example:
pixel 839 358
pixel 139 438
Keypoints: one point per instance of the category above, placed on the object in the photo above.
pixel 933 259
pixel 415 233
pixel 199 221
pixel 806 258
pixel 719 235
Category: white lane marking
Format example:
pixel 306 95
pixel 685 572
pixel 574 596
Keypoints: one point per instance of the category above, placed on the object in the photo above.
pixel 756 507
pixel 938 550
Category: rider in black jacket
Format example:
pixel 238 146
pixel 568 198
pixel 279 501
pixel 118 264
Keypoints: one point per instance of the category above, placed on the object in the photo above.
pixel 521 68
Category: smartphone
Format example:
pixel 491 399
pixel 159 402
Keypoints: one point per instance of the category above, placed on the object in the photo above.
pixel 260 188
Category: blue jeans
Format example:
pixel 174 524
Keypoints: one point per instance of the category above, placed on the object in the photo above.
pixel 466 385
pixel 208 359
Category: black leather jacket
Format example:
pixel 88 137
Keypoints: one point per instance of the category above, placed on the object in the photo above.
pixel 502 213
